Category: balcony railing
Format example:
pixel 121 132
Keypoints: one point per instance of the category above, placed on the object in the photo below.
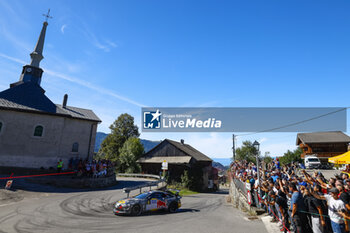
pixel 323 154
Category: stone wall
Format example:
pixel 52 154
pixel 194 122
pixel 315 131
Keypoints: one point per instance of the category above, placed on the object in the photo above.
pixel 238 198
pixel 76 182
pixel 20 148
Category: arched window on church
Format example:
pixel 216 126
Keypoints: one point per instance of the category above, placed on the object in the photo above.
pixel 75 147
pixel 38 131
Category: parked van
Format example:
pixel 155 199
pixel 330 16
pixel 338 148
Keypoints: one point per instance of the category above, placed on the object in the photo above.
pixel 311 161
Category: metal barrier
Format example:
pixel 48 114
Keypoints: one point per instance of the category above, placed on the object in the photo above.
pixel 139 175
pixel 148 184
pixel 240 186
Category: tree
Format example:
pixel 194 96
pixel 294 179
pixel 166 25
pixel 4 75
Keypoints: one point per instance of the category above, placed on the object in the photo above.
pixel 291 156
pixel 193 178
pixel 246 152
pixel 121 130
pixel 129 154
pixel 267 158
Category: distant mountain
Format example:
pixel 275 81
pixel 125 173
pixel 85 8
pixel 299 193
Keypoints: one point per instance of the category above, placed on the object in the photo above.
pixel 99 139
pixel 147 144
pixel 224 161
pixel 219 166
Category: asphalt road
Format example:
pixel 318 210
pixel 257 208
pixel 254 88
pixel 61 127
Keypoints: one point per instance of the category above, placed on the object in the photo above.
pixel 327 173
pixel 85 211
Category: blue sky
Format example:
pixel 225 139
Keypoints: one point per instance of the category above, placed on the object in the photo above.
pixel 115 56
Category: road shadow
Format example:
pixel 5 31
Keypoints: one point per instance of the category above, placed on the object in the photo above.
pixel 222 192
pixel 162 212
pixel 219 192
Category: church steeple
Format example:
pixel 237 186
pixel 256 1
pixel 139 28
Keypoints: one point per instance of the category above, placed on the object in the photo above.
pixel 32 72
pixel 37 54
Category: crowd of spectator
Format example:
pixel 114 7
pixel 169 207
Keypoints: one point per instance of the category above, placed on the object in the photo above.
pixel 94 168
pixel 299 201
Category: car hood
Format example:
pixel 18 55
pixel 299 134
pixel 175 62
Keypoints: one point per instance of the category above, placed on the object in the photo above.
pixel 128 201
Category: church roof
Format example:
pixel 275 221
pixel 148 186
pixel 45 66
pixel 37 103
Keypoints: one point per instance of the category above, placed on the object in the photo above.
pixel 30 97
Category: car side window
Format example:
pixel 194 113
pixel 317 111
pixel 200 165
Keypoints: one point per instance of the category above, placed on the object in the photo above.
pixel 157 195
pixel 153 195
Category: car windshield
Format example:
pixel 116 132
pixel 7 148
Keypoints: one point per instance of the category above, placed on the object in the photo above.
pixel 141 196
pixel 313 160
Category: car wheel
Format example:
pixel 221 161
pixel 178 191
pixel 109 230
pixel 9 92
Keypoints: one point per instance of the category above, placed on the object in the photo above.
pixel 173 207
pixel 136 210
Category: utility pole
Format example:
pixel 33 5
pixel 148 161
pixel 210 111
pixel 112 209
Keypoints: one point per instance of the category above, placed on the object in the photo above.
pixel 233 147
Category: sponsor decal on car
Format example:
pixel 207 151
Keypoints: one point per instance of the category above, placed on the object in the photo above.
pixel 161 204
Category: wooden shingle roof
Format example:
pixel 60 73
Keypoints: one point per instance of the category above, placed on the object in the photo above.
pixel 322 137
pixel 191 151
pixel 185 150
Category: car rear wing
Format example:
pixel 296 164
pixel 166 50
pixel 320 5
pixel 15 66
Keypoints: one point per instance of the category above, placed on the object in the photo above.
pixel 174 191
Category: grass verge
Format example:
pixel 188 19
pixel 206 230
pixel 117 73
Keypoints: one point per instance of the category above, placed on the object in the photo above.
pixel 183 191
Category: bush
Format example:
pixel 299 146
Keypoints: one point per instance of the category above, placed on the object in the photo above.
pixel 185 179
pixel 193 179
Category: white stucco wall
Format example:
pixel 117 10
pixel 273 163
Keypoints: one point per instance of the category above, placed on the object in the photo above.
pixel 19 148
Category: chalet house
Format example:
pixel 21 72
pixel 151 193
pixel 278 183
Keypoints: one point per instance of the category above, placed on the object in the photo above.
pixel 180 157
pixel 323 144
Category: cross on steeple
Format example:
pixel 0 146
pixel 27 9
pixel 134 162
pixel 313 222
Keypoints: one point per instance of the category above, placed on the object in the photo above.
pixel 33 72
pixel 47 16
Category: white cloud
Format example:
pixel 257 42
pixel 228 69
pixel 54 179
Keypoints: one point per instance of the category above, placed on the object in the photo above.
pixel 80 82
pixel 261 140
pixel 20 45
pixel 92 38
pixel 63 28
pixel 13 59
pixel 93 87
pixel 112 44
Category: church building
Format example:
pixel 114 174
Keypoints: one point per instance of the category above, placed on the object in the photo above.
pixel 35 132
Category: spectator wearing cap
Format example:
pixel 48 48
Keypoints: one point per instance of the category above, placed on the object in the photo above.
pixel 277 164
pixel 335 207
pixel 344 196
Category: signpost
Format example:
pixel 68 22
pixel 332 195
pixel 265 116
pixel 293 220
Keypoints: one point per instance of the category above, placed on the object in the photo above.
pixel 248 186
pixel 8 184
pixel 249 197
pixel 164 167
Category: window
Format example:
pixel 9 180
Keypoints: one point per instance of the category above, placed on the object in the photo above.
pixel 75 147
pixel 157 195
pixel 0 126
pixel 38 131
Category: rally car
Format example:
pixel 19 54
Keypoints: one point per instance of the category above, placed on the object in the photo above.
pixel 148 201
